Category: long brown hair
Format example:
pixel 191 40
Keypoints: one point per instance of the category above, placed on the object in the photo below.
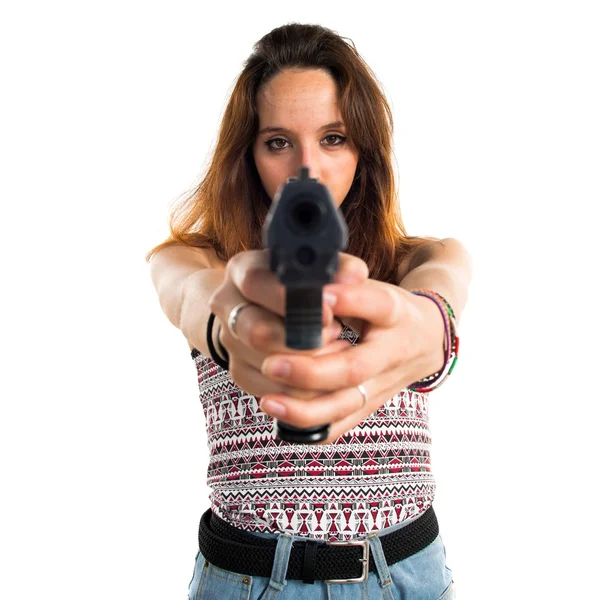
pixel 227 209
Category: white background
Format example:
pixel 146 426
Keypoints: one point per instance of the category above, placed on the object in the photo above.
pixel 108 113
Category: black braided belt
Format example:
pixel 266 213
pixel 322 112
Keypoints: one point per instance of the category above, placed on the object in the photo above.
pixel 236 550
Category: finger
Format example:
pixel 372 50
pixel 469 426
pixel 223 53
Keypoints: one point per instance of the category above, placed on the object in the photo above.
pixel 254 382
pixel 251 275
pixel 339 407
pixel 380 303
pixel 349 367
pixel 324 409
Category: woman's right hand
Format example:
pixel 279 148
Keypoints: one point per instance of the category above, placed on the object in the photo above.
pixel 261 327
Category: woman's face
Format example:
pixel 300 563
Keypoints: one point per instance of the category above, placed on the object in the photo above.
pixel 302 105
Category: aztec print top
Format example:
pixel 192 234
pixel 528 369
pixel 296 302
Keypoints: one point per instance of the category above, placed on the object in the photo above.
pixel 375 476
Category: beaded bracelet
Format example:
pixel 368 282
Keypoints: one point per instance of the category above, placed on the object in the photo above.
pixel 451 342
pixel 434 381
pixel 447 346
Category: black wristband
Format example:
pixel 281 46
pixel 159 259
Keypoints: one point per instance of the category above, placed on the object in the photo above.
pixel 222 348
pixel 224 364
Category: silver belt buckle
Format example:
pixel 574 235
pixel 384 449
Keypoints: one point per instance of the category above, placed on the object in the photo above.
pixel 364 560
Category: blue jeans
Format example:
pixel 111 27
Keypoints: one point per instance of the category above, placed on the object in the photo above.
pixel 422 576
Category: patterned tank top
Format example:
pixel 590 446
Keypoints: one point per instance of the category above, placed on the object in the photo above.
pixel 374 476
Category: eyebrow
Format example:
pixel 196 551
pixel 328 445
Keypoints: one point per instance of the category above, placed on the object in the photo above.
pixel 278 129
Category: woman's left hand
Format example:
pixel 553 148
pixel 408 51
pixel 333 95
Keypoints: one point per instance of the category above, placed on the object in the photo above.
pixel 402 341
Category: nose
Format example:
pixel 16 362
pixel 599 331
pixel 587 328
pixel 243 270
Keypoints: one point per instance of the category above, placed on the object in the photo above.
pixel 308 157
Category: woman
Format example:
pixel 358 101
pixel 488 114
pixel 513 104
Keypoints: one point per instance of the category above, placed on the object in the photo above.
pixel 281 513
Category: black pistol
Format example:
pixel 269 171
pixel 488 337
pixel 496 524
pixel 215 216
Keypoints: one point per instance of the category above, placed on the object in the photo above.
pixel 304 231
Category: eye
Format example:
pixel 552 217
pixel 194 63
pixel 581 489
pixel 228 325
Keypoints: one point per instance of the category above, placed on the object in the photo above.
pixel 269 144
pixel 339 137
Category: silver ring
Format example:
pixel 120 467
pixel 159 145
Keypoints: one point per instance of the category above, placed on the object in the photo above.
pixel 364 394
pixel 233 315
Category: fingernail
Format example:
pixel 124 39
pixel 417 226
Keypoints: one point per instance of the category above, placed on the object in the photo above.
pixel 273 408
pixel 330 298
